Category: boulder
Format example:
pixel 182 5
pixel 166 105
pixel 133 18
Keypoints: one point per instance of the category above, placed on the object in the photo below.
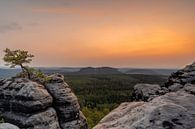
pixel 190 88
pixel 175 87
pixel 46 119
pixel 183 76
pixel 146 92
pixel 23 95
pixel 8 126
pixel 171 111
pixel 31 105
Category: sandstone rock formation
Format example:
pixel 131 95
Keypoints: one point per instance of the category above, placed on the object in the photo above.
pixel 183 76
pixel 8 126
pixel 31 105
pixel 174 110
pixel 170 106
pixel 147 92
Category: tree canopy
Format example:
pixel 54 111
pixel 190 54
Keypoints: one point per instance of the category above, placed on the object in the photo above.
pixel 18 57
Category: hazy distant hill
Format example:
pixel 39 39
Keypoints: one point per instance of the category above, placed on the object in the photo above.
pixel 62 70
pixel 150 71
pixel 5 72
pixel 99 70
pixel 8 72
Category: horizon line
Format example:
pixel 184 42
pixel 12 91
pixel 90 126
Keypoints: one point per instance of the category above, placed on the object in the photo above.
pixel 76 67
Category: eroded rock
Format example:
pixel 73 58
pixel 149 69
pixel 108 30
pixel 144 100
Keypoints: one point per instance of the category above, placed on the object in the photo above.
pixel 66 104
pixel 171 111
pixel 31 105
pixel 183 76
pixel 170 106
pixel 23 95
pixel 146 92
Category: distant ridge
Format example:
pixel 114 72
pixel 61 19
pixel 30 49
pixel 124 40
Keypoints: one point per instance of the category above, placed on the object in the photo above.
pixel 7 72
pixel 98 70
pixel 150 71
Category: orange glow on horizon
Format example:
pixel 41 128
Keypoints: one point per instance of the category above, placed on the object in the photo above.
pixel 97 33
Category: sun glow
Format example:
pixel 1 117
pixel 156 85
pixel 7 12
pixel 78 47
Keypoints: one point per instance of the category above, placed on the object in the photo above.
pixel 121 33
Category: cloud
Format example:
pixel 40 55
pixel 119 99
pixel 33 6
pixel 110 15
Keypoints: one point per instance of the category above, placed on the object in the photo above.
pixel 72 11
pixel 9 27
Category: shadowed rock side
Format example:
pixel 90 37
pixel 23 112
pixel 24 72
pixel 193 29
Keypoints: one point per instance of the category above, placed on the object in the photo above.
pixel 170 106
pixel 30 105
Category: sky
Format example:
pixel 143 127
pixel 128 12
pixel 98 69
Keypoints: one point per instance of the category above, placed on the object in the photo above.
pixel 117 33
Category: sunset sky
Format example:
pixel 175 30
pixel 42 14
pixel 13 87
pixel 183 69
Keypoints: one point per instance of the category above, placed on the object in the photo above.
pixel 118 33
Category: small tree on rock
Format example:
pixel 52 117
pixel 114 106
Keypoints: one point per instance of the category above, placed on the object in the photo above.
pixel 15 58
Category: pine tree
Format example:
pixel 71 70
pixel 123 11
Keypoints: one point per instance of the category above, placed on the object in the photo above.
pixel 15 58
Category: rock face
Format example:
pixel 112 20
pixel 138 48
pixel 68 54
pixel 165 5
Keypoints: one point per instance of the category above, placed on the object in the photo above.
pixel 183 76
pixel 170 111
pixel 170 106
pixel 177 81
pixel 66 104
pixel 147 92
pixel 30 105
pixel 8 126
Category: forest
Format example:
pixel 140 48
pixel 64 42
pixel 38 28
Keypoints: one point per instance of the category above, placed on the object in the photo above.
pixel 100 94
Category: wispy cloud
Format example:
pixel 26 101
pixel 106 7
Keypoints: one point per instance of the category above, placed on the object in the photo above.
pixel 72 11
pixel 9 27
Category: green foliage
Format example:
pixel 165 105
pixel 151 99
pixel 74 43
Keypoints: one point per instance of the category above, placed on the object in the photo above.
pixel 15 58
pixel 94 115
pixel 1 120
pixel 100 94
pixel 38 74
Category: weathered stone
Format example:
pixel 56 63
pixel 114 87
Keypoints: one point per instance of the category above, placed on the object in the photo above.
pixel 46 119
pixel 174 110
pixel 170 111
pixel 146 92
pixel 65 103
pixel 183 76
pixel 23 95
pixel 31 105
pixel 190 88
pixel 175 87
pixel 76 124
pixel 8 126
pixel 190 67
